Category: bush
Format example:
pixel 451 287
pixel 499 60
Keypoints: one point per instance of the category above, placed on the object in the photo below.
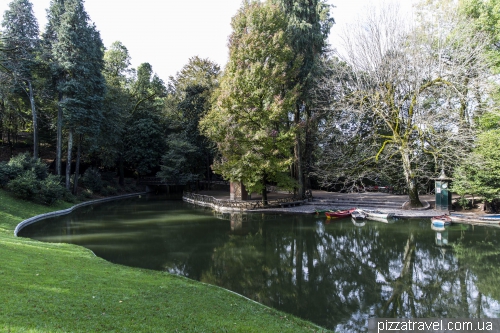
pixel 5 174
pixel 25 186
pixel 69 197
pixel 24 162
pixel 87 193
pixel 50 190
pixel 109 190
pixel 92 180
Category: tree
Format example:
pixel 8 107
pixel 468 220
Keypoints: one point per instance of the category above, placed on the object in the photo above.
pixel 249 116
pixel 308 23
pixel 117 106
pixel 189 153
pixel 145 133
pixel 418 88
pixel 21 45
pixel 49 39
pixel 78 52
pixel 484 16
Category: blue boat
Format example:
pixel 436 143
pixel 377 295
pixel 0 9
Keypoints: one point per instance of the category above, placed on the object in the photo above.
pixel 441 221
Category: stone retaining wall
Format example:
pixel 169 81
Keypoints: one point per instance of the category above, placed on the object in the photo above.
pixel 69 210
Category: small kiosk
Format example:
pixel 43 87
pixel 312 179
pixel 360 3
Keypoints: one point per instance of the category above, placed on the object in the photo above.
pixel 443 194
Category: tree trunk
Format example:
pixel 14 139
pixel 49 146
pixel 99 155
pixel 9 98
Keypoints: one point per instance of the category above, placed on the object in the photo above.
pixel 35 120
pixel 264 191
pixel 68 160
pixel 298 156
pixel 77 167
pixel 59 136
pixel 411 181
pixel 11 146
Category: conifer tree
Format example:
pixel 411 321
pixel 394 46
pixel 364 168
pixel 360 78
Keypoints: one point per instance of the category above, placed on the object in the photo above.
pixel 309 24
pixel 248 119
pixel 77 52
pixel 21 45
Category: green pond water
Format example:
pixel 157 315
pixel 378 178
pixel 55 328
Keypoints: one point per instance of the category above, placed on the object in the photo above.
pixel 334 273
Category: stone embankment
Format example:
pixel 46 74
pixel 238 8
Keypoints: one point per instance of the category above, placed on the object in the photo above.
pixel 322 200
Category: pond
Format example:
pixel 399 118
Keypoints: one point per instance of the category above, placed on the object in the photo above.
pixel 336 274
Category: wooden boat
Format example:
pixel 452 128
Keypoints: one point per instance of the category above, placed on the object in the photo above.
pixel 476 219
pixel 377 215
pixel 441 221
pixel 491 217
pixel 340 213
pixel 358 215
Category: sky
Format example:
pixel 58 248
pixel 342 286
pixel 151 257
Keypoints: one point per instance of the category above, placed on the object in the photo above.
pixel 166 33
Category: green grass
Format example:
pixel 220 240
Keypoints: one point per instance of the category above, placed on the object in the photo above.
pixel 47 287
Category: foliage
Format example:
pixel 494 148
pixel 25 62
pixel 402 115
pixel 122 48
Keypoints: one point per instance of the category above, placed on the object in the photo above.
pixel 24 186
pixel 249 116
pixel 92 180
pixel 484 16
pixel 308 25
pixel 109 190
pixel 408 94
pixel 480 173
pixel 145 127
pixel 50 190
pixel 19 59
pixel 24 162
pixel 189 153
pixel 175 163
pixel 29 180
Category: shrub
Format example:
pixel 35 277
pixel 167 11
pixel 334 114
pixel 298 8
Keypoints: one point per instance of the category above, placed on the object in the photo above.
pixel 92 180
pixel 23 162
pixel 87 193
pixel 5 174
pixel 50 190
pixel 69 197
pixel 25 186
pixel 109 190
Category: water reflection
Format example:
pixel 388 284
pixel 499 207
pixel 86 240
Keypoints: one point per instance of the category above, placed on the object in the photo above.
pixel 337 275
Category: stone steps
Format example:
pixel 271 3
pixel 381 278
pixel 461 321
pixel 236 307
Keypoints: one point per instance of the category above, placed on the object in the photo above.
pixel 359 203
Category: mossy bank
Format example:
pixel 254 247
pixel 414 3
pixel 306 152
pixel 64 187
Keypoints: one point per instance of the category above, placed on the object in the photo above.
pixel 65 288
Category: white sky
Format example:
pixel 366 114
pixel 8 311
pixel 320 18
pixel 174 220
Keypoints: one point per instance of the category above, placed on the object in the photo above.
pixel 166 33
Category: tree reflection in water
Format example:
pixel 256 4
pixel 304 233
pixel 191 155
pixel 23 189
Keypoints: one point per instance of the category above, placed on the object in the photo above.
pixel 338 275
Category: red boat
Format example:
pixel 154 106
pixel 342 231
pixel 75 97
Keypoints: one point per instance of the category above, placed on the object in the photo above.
pixel 340 213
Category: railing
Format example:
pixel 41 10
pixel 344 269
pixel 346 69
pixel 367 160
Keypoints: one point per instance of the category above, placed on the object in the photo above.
pixel 206 200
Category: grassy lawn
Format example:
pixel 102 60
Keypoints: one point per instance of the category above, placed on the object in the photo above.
pixel 65 288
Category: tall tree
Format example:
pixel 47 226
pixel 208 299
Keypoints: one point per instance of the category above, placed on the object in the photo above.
pixel 49 39
pixel 117 106
pixel 145 131
pixel 309 24
pixel 21 45
pixel 78 52
pixel 190 153
pixel 249 116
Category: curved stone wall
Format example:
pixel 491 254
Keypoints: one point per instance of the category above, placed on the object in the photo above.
pixel 69 210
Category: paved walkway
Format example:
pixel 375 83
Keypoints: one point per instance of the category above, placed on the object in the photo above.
pixel 333 200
